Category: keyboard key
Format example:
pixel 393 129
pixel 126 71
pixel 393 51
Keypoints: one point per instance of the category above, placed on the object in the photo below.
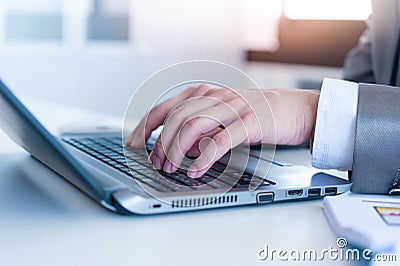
pixel 135 161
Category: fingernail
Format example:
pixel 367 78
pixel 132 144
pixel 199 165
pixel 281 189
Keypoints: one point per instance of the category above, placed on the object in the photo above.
pixel 192 171
pixel 130 138
pixel 156 161
pixel 173 168
pixel 167 166
pixel 134 135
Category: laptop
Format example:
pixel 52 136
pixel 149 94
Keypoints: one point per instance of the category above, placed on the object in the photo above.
pixel 122 180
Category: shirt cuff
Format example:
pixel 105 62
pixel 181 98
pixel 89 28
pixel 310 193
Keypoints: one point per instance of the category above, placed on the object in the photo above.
pixel 333 145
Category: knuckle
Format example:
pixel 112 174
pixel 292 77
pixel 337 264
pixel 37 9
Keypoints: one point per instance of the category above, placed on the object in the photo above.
pixel 192 123
pixel 210 92
pixel 248 118
pixel 158 145
pixel 157 109
pixel 174 152
pixel 234 108
pixel 236 101
pixel 175 147
pixel 177 115
pixel 219 93
pixel 202 89
pixel 189 90
pixel 214 92
pixel 204 86
pixel 222 140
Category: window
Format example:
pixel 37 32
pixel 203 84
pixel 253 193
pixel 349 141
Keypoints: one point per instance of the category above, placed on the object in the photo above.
pixel 108 20
pixel 26 20
pixel 327 9
pixel 317 32
pixel 46 20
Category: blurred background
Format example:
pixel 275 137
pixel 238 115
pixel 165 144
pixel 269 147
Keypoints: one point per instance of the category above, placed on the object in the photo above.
pixel 95 53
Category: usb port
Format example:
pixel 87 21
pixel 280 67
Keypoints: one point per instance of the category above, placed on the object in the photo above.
pixel 314 192
pixel 157 206
pixel 295 193
pixel 329 191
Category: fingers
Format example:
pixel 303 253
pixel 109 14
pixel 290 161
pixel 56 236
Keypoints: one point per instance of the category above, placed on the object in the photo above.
pixel 172 126
pixel 158 114
pixel 191 114
pixel 192 123
pixel 203 122
pixel 150 122
pixel 185 139
pixel 195 150
pixel 233 135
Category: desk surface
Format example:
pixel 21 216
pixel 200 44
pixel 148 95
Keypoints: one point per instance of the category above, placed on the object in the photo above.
pixel 46 221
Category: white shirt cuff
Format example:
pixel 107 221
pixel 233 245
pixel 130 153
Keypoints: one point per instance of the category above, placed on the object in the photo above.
pixel 333 145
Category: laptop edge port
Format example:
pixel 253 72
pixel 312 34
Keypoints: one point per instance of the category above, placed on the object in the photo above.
pixel 330 191
pixel 265 197
pixel 314 192
pixel 295 193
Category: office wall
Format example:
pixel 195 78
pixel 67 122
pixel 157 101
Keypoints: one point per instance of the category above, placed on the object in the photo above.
pixel 100 69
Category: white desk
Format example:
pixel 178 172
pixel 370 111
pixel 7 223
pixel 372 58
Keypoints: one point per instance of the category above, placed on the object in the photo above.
pixel 46 221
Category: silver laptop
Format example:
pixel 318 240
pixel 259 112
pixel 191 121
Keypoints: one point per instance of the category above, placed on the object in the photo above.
pixel 122 180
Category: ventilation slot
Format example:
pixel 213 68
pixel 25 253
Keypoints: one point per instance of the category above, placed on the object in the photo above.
pixel 196 202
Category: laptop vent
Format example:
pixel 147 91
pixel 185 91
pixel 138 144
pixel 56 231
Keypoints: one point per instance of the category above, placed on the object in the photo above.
pixel 195 202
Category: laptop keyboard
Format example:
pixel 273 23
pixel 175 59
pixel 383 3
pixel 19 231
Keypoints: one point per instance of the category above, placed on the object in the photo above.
pixel 110 151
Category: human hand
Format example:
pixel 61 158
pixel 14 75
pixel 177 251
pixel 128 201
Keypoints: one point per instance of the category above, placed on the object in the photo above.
pixel 207 122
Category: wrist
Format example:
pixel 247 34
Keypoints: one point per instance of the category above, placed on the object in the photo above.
pixel 313 103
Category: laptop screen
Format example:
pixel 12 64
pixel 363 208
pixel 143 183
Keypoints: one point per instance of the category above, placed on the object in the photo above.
pixel 22 127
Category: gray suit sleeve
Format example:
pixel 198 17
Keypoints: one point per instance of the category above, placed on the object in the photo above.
pixel 377 140
pixel 358 63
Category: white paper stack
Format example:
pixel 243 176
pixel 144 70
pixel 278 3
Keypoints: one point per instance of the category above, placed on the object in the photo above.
pixel 365 221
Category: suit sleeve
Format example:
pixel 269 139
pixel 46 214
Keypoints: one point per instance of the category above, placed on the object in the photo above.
pixel 358 62
pixel 376 156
